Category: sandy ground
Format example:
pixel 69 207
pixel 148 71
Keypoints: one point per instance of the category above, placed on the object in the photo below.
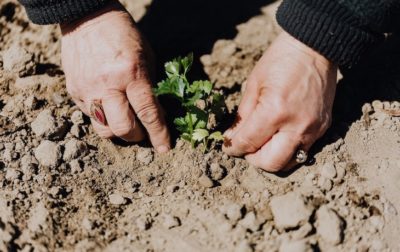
pixel 64 189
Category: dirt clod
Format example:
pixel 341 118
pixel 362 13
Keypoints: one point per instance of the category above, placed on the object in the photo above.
pixel 19 61
pixel 74 149
pixel 290 210
pixel 329 225
pixel 45 125
pixel 117 199
pixel 145 156
pixel 48 153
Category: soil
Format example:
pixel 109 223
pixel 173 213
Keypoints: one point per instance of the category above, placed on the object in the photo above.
pixel 62 188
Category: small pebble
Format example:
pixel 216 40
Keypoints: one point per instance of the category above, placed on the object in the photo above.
pixel 75 166
pixel 250 222
pixel 117 199
pixel 329 225
pixel 76 131
pixel 145 156
pixel 290 210
pixel 46 126
pixel 87 224
pixel 377 105
pixel 328 171
pixel 205 181
pixel 234 211
pixel 325 184
pixel 74 149
pixel 12 174
pixel 48 153
pixel 216 172
pixel 77 118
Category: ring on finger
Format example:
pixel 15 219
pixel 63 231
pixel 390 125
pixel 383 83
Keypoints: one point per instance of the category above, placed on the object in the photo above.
pixel 97 112
pixel 301 156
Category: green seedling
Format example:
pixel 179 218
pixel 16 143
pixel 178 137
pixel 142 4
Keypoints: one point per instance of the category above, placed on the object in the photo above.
pixel 198 99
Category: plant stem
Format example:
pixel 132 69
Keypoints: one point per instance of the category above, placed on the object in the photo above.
pixel 191 129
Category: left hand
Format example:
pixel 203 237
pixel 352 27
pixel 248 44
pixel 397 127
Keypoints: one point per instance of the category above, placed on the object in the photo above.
pixel 287 105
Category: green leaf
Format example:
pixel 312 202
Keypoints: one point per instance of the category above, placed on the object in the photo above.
pixel 192 100
pixel 217 136
pixel 174 86
pixel 181 124
pixel 173 68
pixel 200 134
pixel 199 117
pixel 163 87
pixel 186 137
pixel 203 86
pixel 187 63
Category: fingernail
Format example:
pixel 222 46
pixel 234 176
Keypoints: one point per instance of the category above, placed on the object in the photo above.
pixel 162 149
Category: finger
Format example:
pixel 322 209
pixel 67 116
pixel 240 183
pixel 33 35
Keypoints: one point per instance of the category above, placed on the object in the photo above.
pixel 120 117
pixel 101 130
pixel 246 106
pixel 149 112
pixel 253 134
pixel 276 153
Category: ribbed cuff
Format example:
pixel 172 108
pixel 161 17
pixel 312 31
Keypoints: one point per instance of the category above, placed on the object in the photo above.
pixel 328 28
pixel 60 11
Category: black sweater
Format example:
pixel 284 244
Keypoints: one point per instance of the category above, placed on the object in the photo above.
pixel 341 30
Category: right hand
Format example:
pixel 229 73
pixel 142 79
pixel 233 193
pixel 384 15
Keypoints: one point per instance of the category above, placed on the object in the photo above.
pixel 105 58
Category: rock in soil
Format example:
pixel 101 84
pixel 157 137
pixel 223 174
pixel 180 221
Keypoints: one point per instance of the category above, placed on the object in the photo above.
pixel 205 181
pixel 329 225
pixel 216 171
pixel 117 199
pixel 328 171
pixel 290 210
pixel 74 149
pixel 145 156
pixel 45 125
pixel 233 211
pixel 48 153
pixel 77 118
pixel 19 61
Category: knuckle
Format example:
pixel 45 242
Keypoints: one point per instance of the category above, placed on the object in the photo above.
pixel 148 114
pixel 245 145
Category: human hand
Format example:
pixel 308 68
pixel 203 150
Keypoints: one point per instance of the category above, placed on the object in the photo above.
pixel 106 59
pixel 286 105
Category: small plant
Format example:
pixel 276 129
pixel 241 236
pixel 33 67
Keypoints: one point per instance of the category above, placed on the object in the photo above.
pixel 200 102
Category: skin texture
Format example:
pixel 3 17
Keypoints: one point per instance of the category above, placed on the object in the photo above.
pixel 105 58
pixel 287 104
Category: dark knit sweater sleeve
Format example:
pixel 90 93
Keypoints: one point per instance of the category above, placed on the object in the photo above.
pixel 60 11
pixel 339 32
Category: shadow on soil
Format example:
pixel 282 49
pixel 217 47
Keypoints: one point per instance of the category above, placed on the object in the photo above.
pixel 178 27
pixel 376 77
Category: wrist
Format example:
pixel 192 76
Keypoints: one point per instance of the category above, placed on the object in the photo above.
pixel 114 6
pixel 317 57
